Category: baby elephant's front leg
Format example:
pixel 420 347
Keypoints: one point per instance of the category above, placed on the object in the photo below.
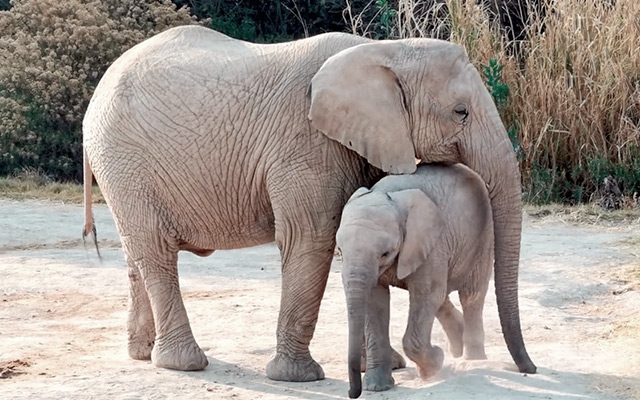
pixel 417 338
pixel 379 352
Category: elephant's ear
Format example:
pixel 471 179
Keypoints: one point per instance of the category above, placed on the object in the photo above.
pixel 423 228
pixel 357 100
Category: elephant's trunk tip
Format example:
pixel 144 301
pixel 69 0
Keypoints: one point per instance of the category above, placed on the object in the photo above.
pixel 355 378
pixel 529 368
pixel 354 392
pixel 524 363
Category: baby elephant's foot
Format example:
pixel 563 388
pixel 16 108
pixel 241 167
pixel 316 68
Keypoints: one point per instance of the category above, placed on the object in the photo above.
pixel 183 355
pixel 475 353
pixel 285 368
pixel 456 349
pixel 397 361
pixel 429 362
pixel 378 379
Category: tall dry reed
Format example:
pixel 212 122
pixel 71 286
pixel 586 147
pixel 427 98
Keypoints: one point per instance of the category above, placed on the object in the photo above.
pixel 574 93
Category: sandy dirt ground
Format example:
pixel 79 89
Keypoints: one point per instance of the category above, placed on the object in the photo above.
pixel 63 315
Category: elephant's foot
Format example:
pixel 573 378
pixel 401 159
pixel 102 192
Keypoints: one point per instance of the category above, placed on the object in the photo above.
pixel 397 361
pixel 183 355
pixel 141 337
pixel 140 348
pixel 378 379
pixel 285 368
pixel 429 362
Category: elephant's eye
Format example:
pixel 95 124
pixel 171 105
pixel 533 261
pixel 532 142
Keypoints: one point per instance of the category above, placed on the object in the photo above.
pixel 384 255
pixel 461 111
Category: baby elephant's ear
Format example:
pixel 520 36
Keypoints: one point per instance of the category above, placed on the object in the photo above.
pixel 423 227
pixel 360 192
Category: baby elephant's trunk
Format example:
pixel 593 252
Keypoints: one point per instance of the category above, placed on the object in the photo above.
pixel 356 306
pixel 357 286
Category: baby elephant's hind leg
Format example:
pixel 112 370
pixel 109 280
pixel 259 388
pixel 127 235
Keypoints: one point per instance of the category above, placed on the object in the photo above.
pixel 452 322
pixel 473 337
pixel 424 304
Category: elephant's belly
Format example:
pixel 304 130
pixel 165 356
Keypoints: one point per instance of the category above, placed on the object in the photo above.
pixel 229 231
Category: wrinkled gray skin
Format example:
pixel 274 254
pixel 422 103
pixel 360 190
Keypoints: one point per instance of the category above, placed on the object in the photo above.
pixel 202 142
pixel 431 233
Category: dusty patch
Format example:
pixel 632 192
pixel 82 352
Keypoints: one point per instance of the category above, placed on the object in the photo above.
pixel 13 368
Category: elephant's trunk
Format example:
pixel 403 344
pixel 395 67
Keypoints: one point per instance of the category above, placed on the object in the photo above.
pixel 357 287
pixel 497 165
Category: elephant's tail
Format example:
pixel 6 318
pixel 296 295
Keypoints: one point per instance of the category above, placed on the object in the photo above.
pixel 89 224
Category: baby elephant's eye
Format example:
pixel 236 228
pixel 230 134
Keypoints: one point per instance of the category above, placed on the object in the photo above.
pixel 384 255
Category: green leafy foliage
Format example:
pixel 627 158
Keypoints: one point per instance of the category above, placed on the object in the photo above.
pixel 499 91
pixel 385 27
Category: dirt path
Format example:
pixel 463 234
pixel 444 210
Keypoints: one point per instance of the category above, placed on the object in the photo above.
pixel 62 320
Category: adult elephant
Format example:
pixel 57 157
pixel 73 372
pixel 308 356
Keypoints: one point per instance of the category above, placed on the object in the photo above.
pixel 202 142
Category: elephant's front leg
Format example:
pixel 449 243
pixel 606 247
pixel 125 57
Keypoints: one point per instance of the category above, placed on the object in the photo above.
pixel 423 305
pixel 306 260
pixel 140 326
pixel 379 352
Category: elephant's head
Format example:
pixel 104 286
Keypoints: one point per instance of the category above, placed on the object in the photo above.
pixel 394 101
pixel 378 231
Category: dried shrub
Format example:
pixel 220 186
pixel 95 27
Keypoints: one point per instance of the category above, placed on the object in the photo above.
pixel 52 55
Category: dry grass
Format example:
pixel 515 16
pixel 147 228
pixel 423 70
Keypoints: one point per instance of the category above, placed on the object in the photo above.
pixel 35 189
pixel 574 96
pixel 584 214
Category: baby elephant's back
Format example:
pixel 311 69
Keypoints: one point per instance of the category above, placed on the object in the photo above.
pixel 460 194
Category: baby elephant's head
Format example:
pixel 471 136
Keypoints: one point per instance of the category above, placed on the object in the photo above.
pixel 377 231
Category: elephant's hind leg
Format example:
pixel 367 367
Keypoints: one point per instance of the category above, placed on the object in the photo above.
pixel 140 326
pixel 174 345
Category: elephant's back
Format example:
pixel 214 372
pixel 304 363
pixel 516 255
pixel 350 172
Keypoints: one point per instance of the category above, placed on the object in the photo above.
pixel 195 81
pixel 187 90
pixel 176 64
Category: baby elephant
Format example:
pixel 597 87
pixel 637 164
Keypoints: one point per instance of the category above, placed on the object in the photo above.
pixel 430 233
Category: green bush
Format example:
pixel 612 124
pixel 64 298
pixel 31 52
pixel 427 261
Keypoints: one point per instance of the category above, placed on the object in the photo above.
pixel 53 53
